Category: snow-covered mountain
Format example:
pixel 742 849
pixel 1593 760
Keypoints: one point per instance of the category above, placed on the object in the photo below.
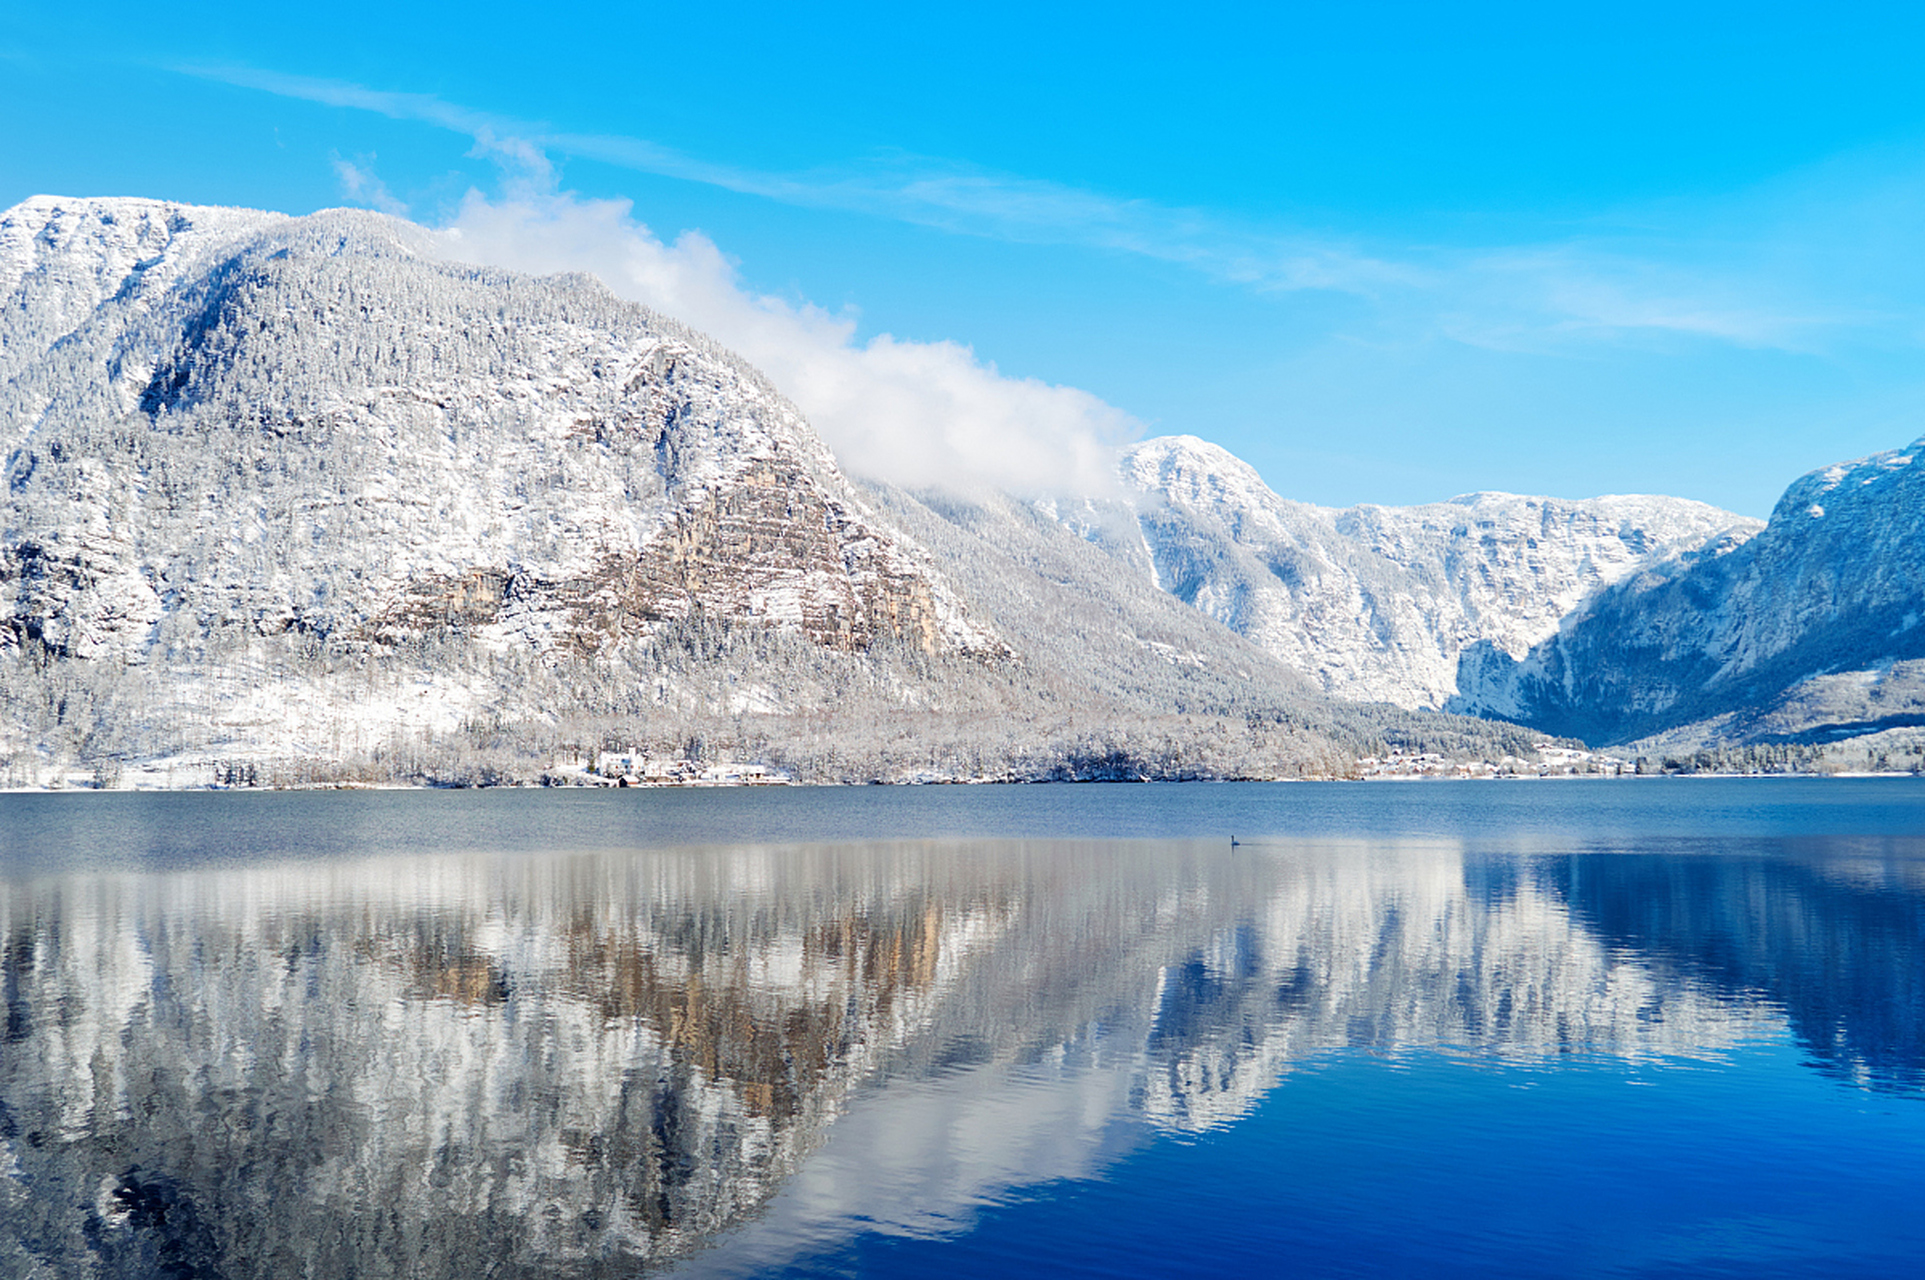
pixel 305 488
pixel 1608 619
pixel 1378 603
pixel 1808 630
pixel 207 409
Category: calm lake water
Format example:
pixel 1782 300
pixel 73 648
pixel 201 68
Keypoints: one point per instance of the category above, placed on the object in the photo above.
pixel 1650 1028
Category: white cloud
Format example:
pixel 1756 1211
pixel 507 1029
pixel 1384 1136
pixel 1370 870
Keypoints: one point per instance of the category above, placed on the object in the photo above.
pixel 359 184
pixel 1815 263
pixel 1716 273
pixel 916 413
pixel 944 194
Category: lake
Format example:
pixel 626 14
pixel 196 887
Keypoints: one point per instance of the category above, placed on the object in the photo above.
pixel 1658 1027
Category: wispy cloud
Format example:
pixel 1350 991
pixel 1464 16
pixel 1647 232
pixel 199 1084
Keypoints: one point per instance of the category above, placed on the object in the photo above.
pixel 943 194
pixel 424 107
pixel 1689 279
pixel 1555 297
pixel 359 184
pixel 956 197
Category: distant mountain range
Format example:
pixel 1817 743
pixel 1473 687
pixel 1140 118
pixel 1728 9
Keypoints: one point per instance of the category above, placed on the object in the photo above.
pixel 304 491
pixel 1380 603
pixel 1614 620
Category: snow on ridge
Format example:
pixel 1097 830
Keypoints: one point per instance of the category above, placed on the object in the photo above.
pixel 1378 603
pixel 1871 470
pixel 62 259
pixel 1711 642
pixel 1190 469
pixel 103 241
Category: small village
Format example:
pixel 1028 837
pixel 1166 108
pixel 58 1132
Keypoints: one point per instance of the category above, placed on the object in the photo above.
pixel 1552 762
pixel 635 769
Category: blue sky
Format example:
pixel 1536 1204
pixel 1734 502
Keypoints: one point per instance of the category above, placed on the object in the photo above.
pixel 1385 253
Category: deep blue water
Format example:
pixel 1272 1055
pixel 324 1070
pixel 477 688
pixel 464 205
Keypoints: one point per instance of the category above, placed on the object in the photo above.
pixel 1613 1028
pixel 1442 1167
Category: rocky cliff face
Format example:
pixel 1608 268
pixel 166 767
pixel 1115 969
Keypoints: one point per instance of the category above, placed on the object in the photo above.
pixel 1379 603
pixel 1809 629
pixel 315 425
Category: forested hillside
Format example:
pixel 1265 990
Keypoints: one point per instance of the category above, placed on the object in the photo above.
pixel 298 500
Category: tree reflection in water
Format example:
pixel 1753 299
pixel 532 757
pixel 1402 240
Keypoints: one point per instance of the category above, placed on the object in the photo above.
pixel 578 1064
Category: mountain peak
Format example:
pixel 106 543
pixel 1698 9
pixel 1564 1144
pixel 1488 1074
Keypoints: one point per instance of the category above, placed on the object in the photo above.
pixel 1194 471
pixel 1381 603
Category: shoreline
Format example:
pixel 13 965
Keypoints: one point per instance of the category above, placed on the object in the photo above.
pixel 1394 779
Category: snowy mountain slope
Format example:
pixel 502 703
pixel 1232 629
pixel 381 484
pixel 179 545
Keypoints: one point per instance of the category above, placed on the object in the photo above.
pixel 1811 627
pixel 1114 651
pixel 311 425
pixel 1058 598
pixel 62 259
pixel 1377 603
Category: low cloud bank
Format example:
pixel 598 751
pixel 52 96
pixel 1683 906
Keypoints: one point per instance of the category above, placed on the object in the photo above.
pixel 918 414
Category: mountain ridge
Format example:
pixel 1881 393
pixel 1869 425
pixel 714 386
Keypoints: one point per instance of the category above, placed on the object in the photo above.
pixel 1832 588
pixel 561 377
pixel 1371 602
pixel 306 489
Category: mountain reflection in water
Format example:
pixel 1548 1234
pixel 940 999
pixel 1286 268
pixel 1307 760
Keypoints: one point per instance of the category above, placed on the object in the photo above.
pixel 578 1064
